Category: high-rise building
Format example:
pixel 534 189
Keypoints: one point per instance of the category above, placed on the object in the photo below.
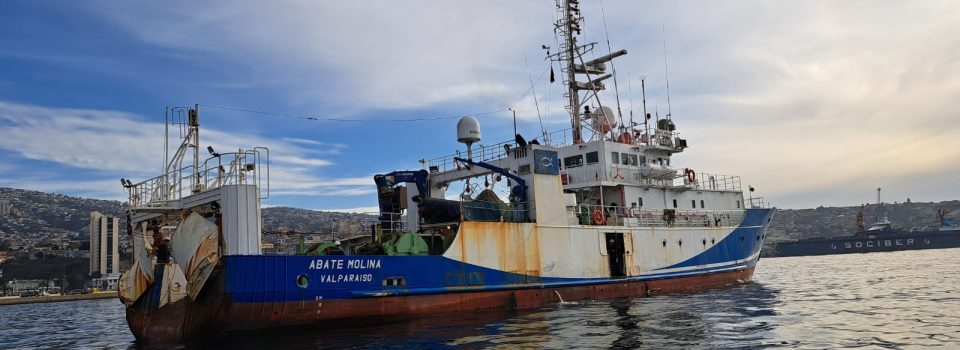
pixel 104 244
pixel 5 207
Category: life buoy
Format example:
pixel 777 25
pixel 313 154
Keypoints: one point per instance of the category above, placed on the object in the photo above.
pixel 691 175
pixel 598 217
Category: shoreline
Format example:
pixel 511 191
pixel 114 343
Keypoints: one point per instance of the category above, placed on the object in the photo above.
pixel 56 298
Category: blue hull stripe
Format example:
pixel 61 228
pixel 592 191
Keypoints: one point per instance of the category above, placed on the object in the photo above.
pixel 273 278
pixel 739 244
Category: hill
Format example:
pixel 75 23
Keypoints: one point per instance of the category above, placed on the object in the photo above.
pixel 26 212
pixel 35 214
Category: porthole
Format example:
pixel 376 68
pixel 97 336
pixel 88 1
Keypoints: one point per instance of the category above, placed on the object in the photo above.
pixel 303 281
pixel 664 243
pixel 704 241
pixel 680 242
pixel 758 238
pixel 741 238
pixel 713 241
pixel 396 281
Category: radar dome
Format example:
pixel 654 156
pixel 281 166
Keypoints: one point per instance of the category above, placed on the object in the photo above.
pixel 604 120
pixel 468 130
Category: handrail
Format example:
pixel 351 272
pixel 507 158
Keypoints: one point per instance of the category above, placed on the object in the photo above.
pixel 594 215
pixel 494 212
pixel 606 215
pixel 233 168
pixel 636 175
pixel 757 202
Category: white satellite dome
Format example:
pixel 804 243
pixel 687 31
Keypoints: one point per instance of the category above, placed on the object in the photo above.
pixel 468 130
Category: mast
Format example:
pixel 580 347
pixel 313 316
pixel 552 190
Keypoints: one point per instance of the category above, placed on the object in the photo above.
pixel 190 141
pixel 646 116
pixel 166 154
pixel 860 228
pixel 569 22
pixel 193 118
pixel 568 25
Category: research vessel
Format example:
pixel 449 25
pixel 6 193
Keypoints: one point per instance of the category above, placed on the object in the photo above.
pixel 600 210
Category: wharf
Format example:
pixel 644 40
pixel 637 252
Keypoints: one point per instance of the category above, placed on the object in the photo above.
pixel 56 298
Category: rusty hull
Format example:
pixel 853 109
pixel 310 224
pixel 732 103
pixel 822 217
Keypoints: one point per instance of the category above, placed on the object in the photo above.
pixel 213 313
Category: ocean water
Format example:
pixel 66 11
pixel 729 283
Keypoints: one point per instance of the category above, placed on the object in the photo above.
pixel 880 300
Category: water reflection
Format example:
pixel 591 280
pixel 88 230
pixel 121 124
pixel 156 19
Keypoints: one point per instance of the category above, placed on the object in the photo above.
pixel 710 319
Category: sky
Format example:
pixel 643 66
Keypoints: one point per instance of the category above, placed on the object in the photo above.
pixel 811 102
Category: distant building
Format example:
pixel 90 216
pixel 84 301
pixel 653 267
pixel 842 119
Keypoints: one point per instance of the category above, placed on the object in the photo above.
pixel 5 207
pixel 107 282
pixel 18 286
pixel 104 244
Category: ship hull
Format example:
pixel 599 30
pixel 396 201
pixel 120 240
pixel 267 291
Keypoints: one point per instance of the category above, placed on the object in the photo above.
pixel 489 266
pixel 216 313
pixel 885 243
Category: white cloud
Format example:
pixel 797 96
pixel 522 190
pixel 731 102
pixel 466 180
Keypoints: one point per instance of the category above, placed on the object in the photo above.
pixel 325 192
pixel 303 141
pixel 122 145
pixel 353 54
pixel 799 97
pixel 293 160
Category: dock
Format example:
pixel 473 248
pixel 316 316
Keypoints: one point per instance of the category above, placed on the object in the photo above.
pixel 56 298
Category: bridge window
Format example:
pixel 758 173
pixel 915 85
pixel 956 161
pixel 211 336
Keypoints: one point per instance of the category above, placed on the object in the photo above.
pixel 593 158
pixel 693 202
pixel 701 204
pixel 523 169
pixel 574 161
pixel 631 159
pixel 640 201
pixel 674 203
pixel 738 204
pixel 614 157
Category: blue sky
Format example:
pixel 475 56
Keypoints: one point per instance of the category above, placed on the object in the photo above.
pixel 812 102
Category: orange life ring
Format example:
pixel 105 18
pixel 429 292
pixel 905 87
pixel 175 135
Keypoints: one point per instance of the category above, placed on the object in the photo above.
pixel 598 217
pixel 691 175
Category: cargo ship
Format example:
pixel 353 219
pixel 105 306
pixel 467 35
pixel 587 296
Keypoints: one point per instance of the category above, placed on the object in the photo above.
pixel 599 210
pixel 881 236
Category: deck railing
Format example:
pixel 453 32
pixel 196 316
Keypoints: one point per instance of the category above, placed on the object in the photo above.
pixel 660 138
pixel 245 167
pixel 604 215
pixel 494 212
pixel 595 215
pixel 481 153
pixel 635 175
